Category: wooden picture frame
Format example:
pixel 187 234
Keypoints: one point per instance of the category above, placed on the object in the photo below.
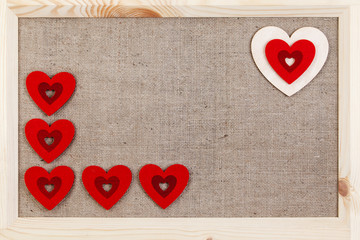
pixel 344 227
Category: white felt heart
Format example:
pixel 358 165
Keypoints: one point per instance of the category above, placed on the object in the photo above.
pixel 266 34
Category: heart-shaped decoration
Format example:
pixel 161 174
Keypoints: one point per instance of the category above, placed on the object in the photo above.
pixel 153 178
pixel 61 178
pixel 49 141
pixel 118 178
pixel 50 94
pixel 272 49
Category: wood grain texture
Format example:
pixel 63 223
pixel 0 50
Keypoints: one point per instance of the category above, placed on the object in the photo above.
pixel 3 179
pixel 353 197
pixel 346 226
pixel 179 229
pixel 8 116
pixel 177 8
pixel 187 2
pixel 344 106
pixel 349 117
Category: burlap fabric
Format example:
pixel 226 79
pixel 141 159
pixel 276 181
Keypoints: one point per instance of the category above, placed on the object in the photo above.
pixel 186 91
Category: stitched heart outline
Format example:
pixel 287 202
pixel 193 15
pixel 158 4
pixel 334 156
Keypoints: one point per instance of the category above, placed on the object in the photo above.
pixel 62 131
pixel 176 176
pixel 61 177
pixel 63 84
pixel 119 177
pixel 267 34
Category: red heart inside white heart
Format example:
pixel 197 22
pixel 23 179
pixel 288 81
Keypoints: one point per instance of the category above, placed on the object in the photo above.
pixel 267 34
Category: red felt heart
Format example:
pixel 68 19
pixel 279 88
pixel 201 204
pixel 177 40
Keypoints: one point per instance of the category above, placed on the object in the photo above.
pixel 175 176
pixel 62 85
pixel 302 51
pixel 62 178
pixel 62 132
pixel 95 177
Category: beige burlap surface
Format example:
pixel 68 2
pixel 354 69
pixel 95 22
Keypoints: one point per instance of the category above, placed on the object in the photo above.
pixel 186 91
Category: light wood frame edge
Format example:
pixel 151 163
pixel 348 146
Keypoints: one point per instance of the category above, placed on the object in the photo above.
pixel 346 226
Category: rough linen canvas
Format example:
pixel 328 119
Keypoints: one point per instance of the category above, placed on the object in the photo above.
pixel 187 91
